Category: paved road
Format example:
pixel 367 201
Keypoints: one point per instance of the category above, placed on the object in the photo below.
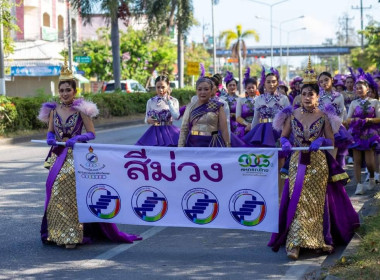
pixel 165 253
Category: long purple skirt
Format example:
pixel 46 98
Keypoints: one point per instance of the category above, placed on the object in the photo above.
pixel 262 135
pixel 164 136
pixel 339 218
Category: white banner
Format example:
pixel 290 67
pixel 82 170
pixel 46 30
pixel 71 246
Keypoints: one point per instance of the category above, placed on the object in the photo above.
pixel 183 187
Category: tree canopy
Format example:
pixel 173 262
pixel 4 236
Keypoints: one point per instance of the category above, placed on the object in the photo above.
pixel 7 20
pixel 140 57
pixel 369 57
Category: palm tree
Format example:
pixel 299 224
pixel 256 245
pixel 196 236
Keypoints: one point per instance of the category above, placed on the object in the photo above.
pixel 113 11
pixel 163 15
pixel 238 37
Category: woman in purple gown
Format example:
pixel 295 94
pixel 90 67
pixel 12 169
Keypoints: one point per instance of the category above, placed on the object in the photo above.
pixel 160 112
pixel 295 86
pixel 364 119
pixel 60 223
pixel 245 105
pixel 204 122
pixel 349 94
pixel 315 211
pixel 333 102
pixel 231 99
pixel 267 105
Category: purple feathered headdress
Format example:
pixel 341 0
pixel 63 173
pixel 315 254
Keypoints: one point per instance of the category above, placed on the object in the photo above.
pixel 352 75
pixel 262 78
pixel 295 80
pixel 371 82
pixel 203 70
pixel 361 76
pixel 275 72
pixel 376 74
pixel 229 77
pixel 339 80
pixel 246 75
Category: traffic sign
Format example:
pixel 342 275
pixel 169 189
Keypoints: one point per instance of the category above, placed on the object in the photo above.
pixel 192 68
pixel 82 59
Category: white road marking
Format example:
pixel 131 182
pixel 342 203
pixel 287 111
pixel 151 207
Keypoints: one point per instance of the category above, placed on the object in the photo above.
pixel 100 259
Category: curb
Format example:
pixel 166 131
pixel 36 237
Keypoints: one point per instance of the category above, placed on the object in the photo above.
pixel 368 209
pixel 42 135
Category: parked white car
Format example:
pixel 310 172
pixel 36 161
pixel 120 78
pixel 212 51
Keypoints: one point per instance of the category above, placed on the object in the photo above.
pixel 126 86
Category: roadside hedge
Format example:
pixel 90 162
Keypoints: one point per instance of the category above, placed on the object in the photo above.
pixel 17 113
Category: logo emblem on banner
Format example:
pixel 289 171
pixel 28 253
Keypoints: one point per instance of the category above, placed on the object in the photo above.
pixel 103 201
pixel 149 204
pixel 255 164
pixel 92 161
pixel 200 206
pixel 247 207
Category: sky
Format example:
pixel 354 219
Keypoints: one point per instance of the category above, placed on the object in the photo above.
pixel 321 19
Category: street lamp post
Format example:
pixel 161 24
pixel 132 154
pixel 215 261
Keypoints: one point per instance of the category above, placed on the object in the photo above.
pixel 69 36
pixel 287 51
pixel 271 24
pixel 282 22
pixel 213 2
pixel 2 76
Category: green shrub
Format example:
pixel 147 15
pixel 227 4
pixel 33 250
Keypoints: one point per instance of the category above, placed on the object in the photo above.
pixel 23 112
pixel 8 114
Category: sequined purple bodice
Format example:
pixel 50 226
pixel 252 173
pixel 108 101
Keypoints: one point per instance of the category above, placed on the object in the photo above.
pixel 247 110
pixel 303 137
pixel 161 116
pixel 348 98
pixel 364 112
pixel 72 127
pixel 328 98
pixel 269 112
pixel 231 100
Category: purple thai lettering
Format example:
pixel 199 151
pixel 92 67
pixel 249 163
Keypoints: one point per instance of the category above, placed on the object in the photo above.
pixel 158 175
pixel 218 168
pixel 141 166
pixel 136 154
pixel 194 177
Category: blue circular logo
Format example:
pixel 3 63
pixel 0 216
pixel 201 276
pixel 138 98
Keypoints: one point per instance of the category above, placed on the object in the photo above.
pixel 103 201
pixel 149 204
pixel 200 206
pixel 247 207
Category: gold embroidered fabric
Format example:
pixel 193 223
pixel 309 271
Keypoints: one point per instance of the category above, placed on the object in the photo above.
pixel 62 212
pixel 306 230
pixel 208 122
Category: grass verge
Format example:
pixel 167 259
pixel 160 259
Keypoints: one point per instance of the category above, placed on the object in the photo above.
pixel 365 263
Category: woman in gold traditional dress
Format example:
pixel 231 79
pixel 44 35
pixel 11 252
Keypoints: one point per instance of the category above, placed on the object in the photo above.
pixel 314 213
pixel 60 224
pixel 204 123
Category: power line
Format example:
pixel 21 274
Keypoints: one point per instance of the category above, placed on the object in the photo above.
pixel 344 23
pixel 361 8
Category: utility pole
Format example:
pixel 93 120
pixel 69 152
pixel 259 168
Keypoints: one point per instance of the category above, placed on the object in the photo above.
pixel 2 76
pixel 204 28
pixel 69 37
pixel 213 2
pixel 344 23
pixel 361 19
